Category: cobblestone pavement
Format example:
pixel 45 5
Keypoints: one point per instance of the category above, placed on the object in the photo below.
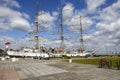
pixel 8 74
pixel 53 70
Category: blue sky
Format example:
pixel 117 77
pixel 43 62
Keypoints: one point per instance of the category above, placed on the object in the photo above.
pixel 103 30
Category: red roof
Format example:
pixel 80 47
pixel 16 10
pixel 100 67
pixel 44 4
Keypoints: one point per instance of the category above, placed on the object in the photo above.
pixel 59 49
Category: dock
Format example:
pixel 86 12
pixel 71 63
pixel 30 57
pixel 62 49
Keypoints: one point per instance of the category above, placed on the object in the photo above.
pixel 30 69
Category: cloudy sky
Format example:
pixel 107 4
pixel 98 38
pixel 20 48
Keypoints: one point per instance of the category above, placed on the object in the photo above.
pixel 101 23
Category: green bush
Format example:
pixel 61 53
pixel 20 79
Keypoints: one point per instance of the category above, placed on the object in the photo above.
pixel 65 57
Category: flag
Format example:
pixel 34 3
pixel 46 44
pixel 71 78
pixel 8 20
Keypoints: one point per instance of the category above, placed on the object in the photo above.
pixel 6 43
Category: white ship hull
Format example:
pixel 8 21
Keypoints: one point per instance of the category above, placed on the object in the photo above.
pixel 27 54
pixel 80 54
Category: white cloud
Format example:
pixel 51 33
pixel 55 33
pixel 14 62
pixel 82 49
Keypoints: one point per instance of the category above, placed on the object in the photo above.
pixel 11 19
pixel 110 21
pixel 92 5
pixel 75 21
pixel 55 13
pixel 9 3
pixel 68 10
pixel 108 28
pixel 46 19
pixel 71 18
pixel 19 23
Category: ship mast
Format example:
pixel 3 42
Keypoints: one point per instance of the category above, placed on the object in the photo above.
pixel 81 35
pixel 61 26
pixel 37 27
pixel 62 32
pixel 36 24
pixel 82 47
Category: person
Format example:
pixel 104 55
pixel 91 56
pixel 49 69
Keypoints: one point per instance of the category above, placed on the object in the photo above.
pixel 102 63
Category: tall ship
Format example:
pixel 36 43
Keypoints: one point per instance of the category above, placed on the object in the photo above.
pixel 41 51
pixel 36 51
pixel 79 52
pixel 82 51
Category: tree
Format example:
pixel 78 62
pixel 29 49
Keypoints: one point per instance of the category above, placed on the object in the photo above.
pixel 2 51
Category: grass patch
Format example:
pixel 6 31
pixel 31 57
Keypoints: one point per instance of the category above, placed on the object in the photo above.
pixel 96 61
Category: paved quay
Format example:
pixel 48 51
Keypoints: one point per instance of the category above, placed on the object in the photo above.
pixel 53 70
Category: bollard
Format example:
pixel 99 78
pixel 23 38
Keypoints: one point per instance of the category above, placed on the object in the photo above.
pixel 2 58
pixel 13 59
pixel 70 60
